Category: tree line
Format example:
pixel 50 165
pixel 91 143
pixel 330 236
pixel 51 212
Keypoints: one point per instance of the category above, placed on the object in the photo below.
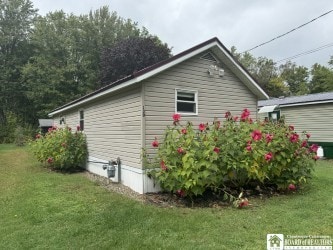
pixel 46 61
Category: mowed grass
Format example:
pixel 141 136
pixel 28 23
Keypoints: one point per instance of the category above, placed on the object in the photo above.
pixel 40 209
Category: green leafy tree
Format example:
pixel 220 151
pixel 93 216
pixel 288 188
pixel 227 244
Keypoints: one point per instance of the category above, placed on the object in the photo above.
pixel 16 22
pixel 296 77
pixel 130 55
pixel 322 79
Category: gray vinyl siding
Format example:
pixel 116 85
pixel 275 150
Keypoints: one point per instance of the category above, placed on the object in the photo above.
pixel 113 126
pixel 216 95
pixel 317 119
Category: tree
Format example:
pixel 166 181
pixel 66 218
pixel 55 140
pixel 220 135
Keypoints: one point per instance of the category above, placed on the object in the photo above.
pixel 296 77
pixel 130 55
pixel 322 79
pixel 16 22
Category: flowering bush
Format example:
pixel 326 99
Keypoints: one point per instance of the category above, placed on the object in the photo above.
pixel 61 148
pixel 234 155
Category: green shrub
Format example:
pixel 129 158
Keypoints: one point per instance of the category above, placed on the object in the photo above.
pixel 61 148
pixel 238 153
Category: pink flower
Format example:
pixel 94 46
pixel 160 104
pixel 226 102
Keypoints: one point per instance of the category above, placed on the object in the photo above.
pixel 50 160
pixel 256 135
pixel 50 130
pixel 243 203
pixel 38 136
pixel 202 127
pixel 291 127
pixel 236 118
pixel 227 115
pixel 304 143
pixel 155 143
pixel 245 114
pixel 180 151
pixel 292 187
pixel 294 137
pixel 308 135
pixel 248 148
pixel 268 156
pixel 314 148
pixel 180 192
pixel 216 150
pixel 269 138
pixel 176 117
pixel 184 131
pixel 163 166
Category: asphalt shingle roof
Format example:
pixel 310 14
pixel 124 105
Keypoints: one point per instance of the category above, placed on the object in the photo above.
pixel 293 100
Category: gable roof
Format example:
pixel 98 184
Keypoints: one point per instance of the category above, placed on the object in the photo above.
pixel 298 100
pixel 213 44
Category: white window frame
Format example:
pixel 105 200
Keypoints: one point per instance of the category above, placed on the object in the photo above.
pixel 81 110
pixel 195 92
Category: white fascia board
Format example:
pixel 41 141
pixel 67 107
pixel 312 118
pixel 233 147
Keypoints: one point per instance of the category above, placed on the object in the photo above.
pixel 138 79
pixel 305 103
pixel 244 73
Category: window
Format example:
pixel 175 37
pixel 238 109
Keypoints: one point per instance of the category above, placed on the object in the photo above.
pixel 186 102
pixel 81 115
pixel 274 116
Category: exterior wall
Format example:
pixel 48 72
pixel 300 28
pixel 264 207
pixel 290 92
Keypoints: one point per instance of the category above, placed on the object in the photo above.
pixel 216 95
pixel 113 129
pixel 316 119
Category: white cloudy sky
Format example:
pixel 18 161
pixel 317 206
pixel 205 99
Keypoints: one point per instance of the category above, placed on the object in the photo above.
pixel 241 23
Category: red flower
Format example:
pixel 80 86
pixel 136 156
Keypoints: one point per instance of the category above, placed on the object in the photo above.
pixel 292 187
pixel 202 127
pixel 50 160
pixel 315 157
pixel 243 203
pixel 155 143
pixel 227 115
pixel 256 135
pixel 163 166
pixel 78 128
pixel 304 143
pixel 245 114
pixel 216 150
pixel 180 150
pixel 184 131
pixel 268 156
pixel 176 117
pixel 269 138
pixel 308 135
pixel 294 137
pixel 248 148
pixel 180 192
pixel 38 136
pixel 291 127
pixel 314 148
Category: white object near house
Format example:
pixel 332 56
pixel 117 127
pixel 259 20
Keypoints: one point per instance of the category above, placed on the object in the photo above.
pixel 125 116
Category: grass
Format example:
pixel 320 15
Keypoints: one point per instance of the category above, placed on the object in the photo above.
pixel 47 210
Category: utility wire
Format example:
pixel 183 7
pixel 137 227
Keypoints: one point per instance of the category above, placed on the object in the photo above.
pixel 284 34
pixel 307 52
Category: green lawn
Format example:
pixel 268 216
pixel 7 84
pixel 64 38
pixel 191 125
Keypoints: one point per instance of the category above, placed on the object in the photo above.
pixel 47 210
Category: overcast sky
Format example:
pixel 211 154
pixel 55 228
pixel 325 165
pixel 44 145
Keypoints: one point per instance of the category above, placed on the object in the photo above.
pixel 241 23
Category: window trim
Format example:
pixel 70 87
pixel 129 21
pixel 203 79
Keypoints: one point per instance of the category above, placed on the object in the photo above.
pixel 195 92
pixel 81 110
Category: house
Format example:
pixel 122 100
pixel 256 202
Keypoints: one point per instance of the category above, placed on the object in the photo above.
pixel 122 118
pixel 312 113
pixel 275 242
